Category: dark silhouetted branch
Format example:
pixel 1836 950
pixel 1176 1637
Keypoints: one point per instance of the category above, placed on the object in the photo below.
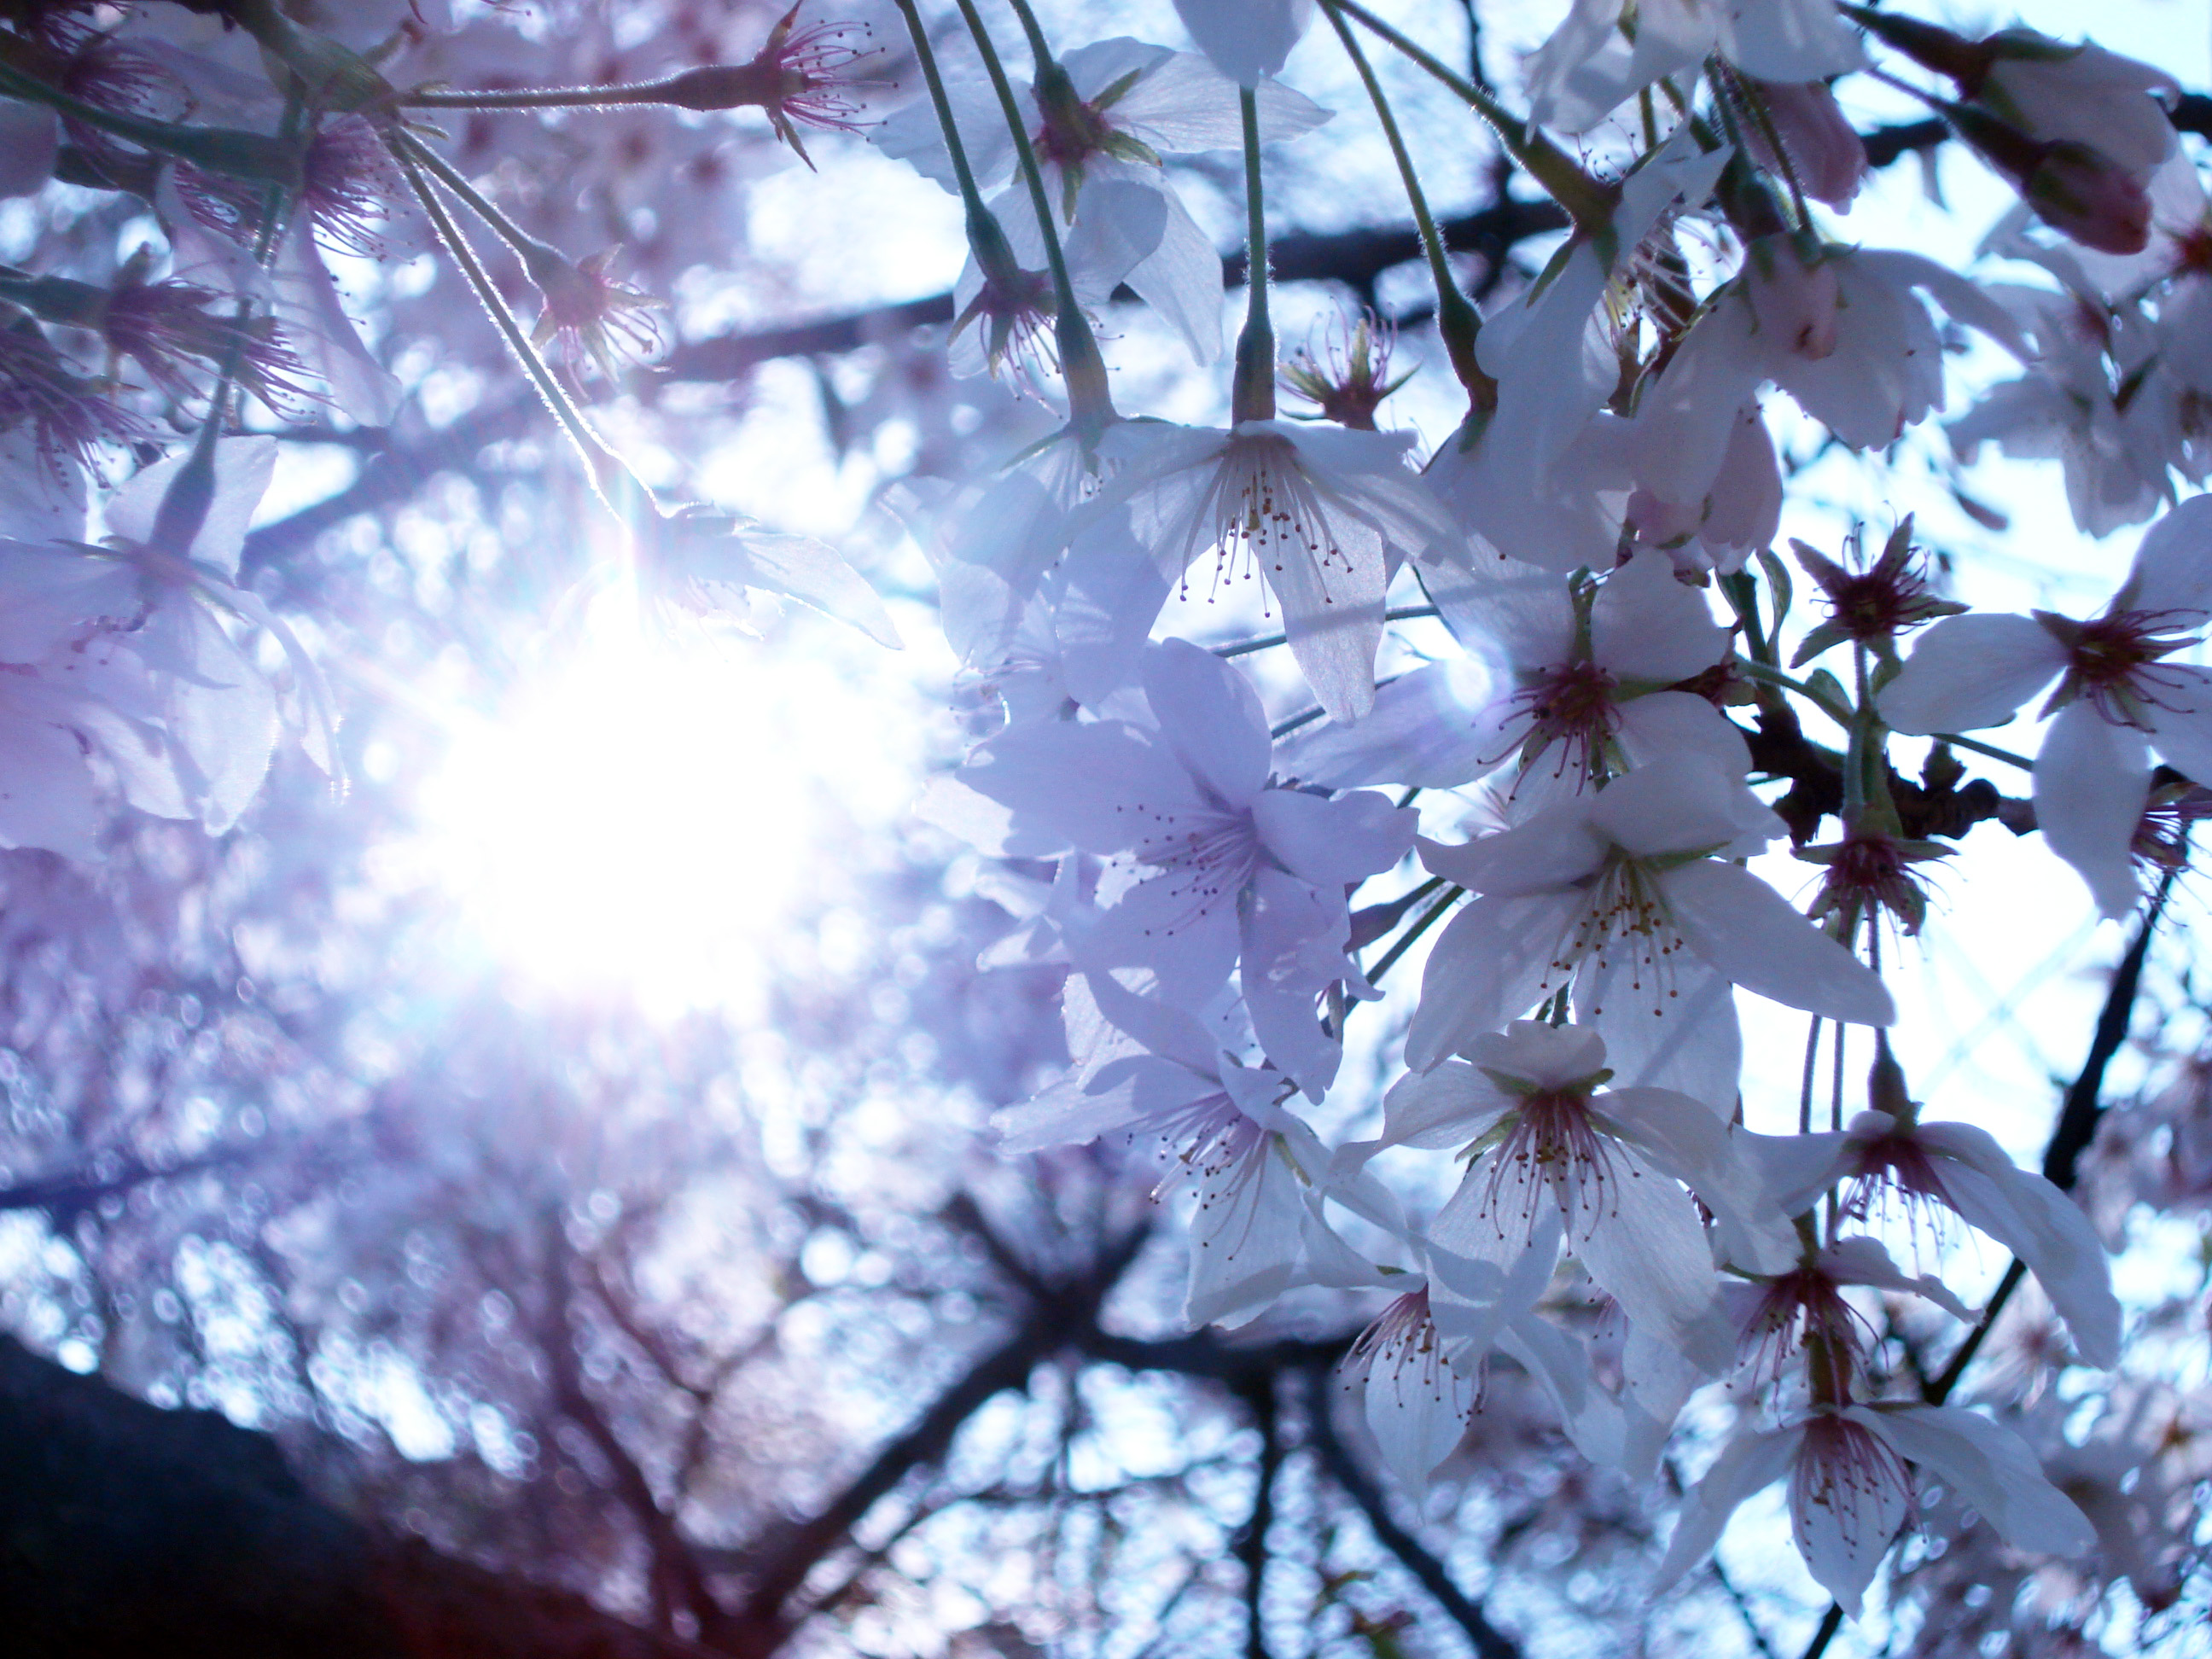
pixel 1358 1485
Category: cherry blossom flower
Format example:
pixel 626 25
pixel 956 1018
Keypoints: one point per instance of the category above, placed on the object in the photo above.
pixel 588 314
pixel 1959 1168
pixel 1843 332
pixel 1143 1067
pixel 1636 876
pixel 1782 1315
pixel 223 714
pixel 2118 697
pixel 1116 108
pixel 1546 1137
pixel 1415 1397
pixel 1242 874
pixel 1595 61
pixel 807 75
pixel 1852 1490
pixel 1315 512
pixel 1348 379
pixel 1544 476
pixel 68 420
pixel 1870 606
pixel 1582 689
pixel 2080 92
pixel 704 562
pixel 1819 146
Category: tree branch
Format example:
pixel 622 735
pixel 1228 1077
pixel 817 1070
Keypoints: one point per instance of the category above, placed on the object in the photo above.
pixel 1051 1323
pixel 1358 1485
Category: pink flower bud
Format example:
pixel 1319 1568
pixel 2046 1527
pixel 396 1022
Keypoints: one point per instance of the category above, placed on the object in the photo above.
pixel 2092 198
pixel 1821 148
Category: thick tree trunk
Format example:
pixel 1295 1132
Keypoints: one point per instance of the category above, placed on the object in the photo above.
pixel 141 1534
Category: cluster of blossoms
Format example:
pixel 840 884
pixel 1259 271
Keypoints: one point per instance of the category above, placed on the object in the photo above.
pixel 1597 540
pixel 1609 730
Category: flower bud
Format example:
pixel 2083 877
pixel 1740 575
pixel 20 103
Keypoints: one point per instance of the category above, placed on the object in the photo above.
pixel 1822 150
pixel 2086 195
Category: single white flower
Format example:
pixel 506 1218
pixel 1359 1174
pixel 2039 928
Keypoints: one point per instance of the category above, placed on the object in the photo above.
pixel 1961 1168
pixel 1316 513
pixel 1143 1067
pixel 1581 690
pixel 2120 696
pixel 1636 877
pixel 1545 1137
pixel 1100 138
pixel 1218 870
pixel 1851 1489
pixel 1604 52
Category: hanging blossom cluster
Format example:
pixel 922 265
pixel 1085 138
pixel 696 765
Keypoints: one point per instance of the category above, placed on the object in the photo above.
pixel 1620 716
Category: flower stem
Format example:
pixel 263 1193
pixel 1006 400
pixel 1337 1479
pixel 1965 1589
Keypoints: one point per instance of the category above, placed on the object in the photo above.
pixel 600 465
pixel 1091 400
pixel 1252 394
pixel 1456 318
pixel 528 247
pixel 1246 647
pixel 1040 48
pixel 253 156
pixel 1588 203
pixel 1751 669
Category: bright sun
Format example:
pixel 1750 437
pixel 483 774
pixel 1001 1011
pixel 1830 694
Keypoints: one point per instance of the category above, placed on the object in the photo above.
pixel 645 816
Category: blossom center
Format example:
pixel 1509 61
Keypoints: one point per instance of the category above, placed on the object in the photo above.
pixel 1553 1141
pixel 1204 855
pixel 2112 661
pixel 1575 705
pixel 1851 1471
pixel 1266 511
pixel 1626 912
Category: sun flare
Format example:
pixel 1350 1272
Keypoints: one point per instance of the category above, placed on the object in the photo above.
pixel 640 818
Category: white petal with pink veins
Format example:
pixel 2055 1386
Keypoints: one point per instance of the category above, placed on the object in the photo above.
pixel 1492 964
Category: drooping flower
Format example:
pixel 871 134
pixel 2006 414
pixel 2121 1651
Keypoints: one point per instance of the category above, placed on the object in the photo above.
pixel 588 314
pixel 2120 696
pixel 1315 513
pixel 1851 1489
pixel 1544 1136
pixel 1219 870
pixel 1107 116
pixel 1145 1068
pixel 1605 52
pixel 810 74
pixel 1819 147
pixel 1583 690
pixel 1415 1396
pixel 1636 877
pixel 1959 1168
pixel 1805 1308
pixel 68 419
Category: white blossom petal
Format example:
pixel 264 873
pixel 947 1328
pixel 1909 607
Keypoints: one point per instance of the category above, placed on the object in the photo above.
pixel 1747 930
pixel 2091 782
